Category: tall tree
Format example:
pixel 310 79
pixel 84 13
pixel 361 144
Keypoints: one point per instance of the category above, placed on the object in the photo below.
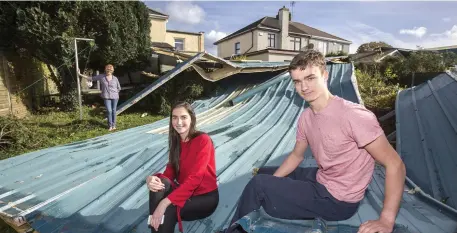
pixel 46 29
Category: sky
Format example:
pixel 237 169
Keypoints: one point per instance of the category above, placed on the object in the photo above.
pixel 401 24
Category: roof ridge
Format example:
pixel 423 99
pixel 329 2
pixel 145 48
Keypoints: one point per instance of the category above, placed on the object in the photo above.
pixel 261 22
pixel 319 30
pixel 250 26
pixel 157 12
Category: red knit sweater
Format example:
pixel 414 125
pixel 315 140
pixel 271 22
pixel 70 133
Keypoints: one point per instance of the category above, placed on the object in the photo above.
pixel 197 174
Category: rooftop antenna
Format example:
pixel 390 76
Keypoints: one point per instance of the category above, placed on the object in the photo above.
pixel 292 4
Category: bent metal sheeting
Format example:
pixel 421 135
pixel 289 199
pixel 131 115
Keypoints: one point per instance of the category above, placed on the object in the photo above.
pixel 427 136
pixel 208 66
pixel 98 185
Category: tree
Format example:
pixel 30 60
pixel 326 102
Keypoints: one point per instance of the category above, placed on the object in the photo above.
pixel 371 46
pixel 450 59
pixel 425 61
pixel 45 30
pixel 120 29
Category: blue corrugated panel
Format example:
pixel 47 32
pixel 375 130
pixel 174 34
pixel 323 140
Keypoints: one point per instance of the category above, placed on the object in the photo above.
pixel 98 185
pixel 259 64
pixel 427 136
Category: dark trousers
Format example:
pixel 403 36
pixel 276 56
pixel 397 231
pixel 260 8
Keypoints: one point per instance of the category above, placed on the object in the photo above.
pixel 197 207
pixel 297 196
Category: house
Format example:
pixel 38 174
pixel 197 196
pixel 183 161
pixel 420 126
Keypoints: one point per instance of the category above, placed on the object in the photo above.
pixel 172 39
pixel 278 39
pixel 379 54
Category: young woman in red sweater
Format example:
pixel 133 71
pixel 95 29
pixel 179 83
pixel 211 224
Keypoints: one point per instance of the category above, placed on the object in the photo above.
pixel 187 189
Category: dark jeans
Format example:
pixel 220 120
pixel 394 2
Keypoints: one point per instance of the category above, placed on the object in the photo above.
pixel 111 108
pixel 197 207
pixel 297 196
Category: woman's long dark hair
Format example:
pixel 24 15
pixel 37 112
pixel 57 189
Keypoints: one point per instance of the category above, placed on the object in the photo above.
pixel 174 140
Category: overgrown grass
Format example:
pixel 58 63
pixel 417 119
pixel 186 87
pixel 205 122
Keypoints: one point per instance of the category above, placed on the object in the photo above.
pixel 51 128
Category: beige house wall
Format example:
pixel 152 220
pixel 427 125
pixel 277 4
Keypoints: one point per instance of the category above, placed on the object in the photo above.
pixel 193 43
pixel 262 39
pixel 346 48
pixel 261 57
pixel 227 48
pixel 280 57
pixel 158 30
pixel 272 57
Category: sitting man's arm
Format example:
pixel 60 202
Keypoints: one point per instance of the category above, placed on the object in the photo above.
pixel 384 154
pixel 293 160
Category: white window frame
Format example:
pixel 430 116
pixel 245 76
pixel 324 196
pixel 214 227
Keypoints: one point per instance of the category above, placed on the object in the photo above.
pixel 271 37
pixel 182 43
pixel 322 47
pixel 237 48
pixel 294 41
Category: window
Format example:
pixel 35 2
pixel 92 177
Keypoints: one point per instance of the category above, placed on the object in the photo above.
pixel 339 47
pixel 295 43
pixel 271 40
pixel 322 47
pixel 179 44
pixel 237 48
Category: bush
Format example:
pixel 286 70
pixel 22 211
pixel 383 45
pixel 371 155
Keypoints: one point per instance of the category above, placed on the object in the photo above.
pixel 377 95
pixel 238 58
pixel 15 135
pixel 69 101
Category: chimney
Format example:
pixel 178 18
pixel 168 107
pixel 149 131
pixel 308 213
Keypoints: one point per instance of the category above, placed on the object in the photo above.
pixel 283 16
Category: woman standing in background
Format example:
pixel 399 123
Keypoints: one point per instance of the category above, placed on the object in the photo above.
pixel 110 87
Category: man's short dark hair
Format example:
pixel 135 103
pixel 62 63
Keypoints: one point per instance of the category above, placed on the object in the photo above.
pixel 308 58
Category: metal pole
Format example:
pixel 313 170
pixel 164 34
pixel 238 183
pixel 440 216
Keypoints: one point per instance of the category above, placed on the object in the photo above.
pixel 98 82
pixel 77 76
pixel 77 81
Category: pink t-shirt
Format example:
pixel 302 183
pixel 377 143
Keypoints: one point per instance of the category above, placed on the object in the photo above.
pixel 336 135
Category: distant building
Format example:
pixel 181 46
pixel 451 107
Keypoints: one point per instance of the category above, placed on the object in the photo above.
pixel 171 39
pixel 278 39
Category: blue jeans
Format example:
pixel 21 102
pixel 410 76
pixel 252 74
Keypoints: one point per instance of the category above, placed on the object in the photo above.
pixel 111 108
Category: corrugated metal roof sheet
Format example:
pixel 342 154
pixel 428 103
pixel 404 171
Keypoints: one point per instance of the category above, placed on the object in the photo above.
pixel 427 136
pixel 259 64
pixel 98 185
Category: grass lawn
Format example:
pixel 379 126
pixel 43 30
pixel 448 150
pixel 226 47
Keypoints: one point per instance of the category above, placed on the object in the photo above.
pixel 51 128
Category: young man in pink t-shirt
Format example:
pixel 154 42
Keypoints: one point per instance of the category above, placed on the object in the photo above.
pixel 346 140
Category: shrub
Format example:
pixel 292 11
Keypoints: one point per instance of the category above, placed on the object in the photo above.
pixel 16 136
pixel 238 58
pixel 377 95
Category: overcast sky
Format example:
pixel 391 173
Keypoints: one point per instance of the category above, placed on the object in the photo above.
pixel 401 24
